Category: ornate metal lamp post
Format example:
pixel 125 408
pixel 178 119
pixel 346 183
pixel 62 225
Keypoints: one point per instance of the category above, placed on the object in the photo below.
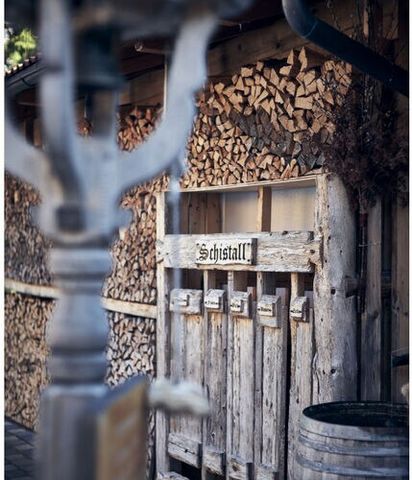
pixel 81 179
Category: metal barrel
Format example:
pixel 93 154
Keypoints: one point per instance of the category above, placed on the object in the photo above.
pixel 353 440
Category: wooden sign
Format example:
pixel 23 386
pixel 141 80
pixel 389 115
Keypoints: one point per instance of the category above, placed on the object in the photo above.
pixel 186 301
pixel 227 251
pixel 269 311
pixel 240 304
pixel 215 300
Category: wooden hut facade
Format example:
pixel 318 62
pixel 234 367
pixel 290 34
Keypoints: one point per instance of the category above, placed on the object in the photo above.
pixel 294 271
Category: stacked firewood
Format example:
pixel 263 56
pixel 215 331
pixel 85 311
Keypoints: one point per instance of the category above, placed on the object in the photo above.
pixel 25 355
pixel 135 126
pixel 133 277
pixel 131 351
pixel 26 249
pixel 267 122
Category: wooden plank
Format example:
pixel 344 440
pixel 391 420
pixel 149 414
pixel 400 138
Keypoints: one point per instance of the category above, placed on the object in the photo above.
pixel 215 372
pixel 264 207
pixel 400 295
pixel 335 365
pixel 185 449
pixel 45 291
pixel 130 308
pixel 302 353
pixel 241 388
pixel 41 291
pixel 274 381
pixel 213 213
pixel 298 182
pixel 270 386
pixel 276 252
pixel 187 363
pixel 371 344
pixel 162 338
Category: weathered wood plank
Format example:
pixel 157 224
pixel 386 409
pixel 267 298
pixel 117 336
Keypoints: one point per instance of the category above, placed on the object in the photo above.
pixel 400 295
pixel 187 363
pixel 371 345
pixel 45 291
pixel 215 372
pixel 264 207
pixel 276 252
pixel 162 338
pixel 300 395
pixel 274 391
pixel 184 449
pixel 240 381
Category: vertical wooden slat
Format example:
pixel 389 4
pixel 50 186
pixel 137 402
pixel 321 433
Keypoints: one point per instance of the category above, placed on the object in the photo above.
pixel 162 337
pixel 240 381
pixel 270 389
pixel 400 295
pixel 371 343
pixel 215 369
pixel 270 370
pixel 264 209
pixel 299 339
pixel 213 213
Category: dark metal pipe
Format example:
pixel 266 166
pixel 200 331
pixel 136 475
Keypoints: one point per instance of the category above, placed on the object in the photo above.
pixel 305 24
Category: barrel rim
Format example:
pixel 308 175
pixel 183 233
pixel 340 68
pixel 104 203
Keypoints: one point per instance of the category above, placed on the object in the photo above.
pixel 320 426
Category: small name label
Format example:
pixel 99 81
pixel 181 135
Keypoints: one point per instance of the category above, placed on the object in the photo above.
pixel 269 311
pixel 240 303
pixel 226 251
pixel 214 300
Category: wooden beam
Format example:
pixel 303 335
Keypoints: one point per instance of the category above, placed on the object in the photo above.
pixel 45 291
pixel 276 252
pixel 371 344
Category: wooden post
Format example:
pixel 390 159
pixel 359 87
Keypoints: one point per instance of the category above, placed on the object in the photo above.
pixel 371 339
pixel 335 360
pixel 162 337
